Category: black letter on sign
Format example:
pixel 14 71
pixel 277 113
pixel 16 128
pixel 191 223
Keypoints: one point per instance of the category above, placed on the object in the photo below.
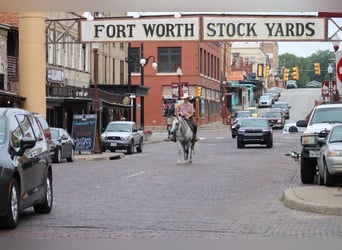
pixel 98 29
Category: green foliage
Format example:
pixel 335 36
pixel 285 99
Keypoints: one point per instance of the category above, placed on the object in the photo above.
pixel 306 65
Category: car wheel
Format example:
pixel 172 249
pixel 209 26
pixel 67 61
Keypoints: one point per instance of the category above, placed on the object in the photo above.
pixel 328 178
pixel 307 170
pixel 320 179
pixel 239 144
pixel 140 147
pixel 130 148
pixel 72 155
pixel 46 206
pixel 269 144
pixel 103 149
pixel 58 155
pixel 293 129
pixel 10 220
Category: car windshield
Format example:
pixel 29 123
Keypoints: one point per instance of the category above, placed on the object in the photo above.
pixel 327 115
pixel 265 97
pixel 118 127
pixel 254 123
pixel 336 134
pixel 2 129
pixel 279 105
pixel 242 114
pixel 273 114
pixel 253 111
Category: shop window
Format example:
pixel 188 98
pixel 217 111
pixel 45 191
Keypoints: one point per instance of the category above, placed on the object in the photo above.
pixel 134 57
pixel 168 107
pixel 169 59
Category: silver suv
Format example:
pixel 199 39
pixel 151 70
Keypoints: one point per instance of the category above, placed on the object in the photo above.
pixel 322 118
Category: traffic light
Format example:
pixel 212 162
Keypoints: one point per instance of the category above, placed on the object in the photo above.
pixel 198 91
pixel 295 73
pixel 260 72
pixel 317 68
pixel 286 74
pixel 267 71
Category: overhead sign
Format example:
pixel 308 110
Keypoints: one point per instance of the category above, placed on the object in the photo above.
pixel 263 28
pixel 206 28
pixel 152 29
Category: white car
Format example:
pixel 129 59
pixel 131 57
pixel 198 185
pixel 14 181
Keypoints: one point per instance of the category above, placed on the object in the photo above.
pixel 292 128
pixel 265 101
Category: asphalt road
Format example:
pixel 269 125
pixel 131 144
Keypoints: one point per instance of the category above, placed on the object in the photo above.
pixel 226 193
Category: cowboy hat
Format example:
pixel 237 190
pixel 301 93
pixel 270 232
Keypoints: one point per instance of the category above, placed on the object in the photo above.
pixel 185 96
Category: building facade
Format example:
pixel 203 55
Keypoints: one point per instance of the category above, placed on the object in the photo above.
pixel 183 67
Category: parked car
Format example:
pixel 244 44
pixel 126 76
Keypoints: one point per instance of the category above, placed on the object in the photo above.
pixel 291 84
pixel 274 93
pixel 330 157
pixel 265 101
pixel 234 126
pixel 276 118
pixel 285 106
pixel 62 146
pixel 321 120
pixel 122 135
pixel 45 126
pixel 271 95
pixel 254 130
pixel 25 166
pixel 241 113
pixel 254 111
pixel 293 128
pixel 275 89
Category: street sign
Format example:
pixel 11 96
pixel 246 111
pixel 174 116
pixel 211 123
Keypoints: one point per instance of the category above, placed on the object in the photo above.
pixel 339 71
pixel 339 66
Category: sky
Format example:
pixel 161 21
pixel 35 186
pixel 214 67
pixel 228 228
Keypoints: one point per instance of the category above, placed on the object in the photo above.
pixel 300 49
pixel 303 49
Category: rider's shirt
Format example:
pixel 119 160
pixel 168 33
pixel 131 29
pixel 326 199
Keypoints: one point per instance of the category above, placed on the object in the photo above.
pixel 186 109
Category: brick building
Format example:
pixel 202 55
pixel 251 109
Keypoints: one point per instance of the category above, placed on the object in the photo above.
pixel 199 65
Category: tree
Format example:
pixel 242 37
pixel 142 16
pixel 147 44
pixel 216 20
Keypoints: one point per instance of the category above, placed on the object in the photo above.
pixel 306 65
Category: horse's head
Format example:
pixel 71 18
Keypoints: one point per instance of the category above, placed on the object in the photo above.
pixel 174 125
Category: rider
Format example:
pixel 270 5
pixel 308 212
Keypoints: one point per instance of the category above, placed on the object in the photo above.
pixel 186 110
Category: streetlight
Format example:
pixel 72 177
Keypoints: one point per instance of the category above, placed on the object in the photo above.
pixel 143 63
pixel 336 43
pixel 97 149
pixel 179 74
pixel 330 72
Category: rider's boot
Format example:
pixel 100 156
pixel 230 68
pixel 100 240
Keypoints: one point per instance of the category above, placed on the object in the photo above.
pixel 195 139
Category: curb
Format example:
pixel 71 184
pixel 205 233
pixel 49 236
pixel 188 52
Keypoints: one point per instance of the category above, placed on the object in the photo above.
pixel 313 199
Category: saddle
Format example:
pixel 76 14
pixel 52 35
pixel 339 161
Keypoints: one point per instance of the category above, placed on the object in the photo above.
pixel 192 129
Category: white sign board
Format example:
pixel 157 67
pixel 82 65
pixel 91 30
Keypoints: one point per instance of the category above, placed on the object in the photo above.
pixel 153 29
pixel 263 28
pixel 205 28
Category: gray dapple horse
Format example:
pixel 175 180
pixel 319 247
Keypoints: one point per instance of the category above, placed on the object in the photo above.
pixel 184 136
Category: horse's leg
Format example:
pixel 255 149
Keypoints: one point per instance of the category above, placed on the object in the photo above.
pixel 179 152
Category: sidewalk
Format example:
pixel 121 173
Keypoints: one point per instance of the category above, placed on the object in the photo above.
pixel 316 199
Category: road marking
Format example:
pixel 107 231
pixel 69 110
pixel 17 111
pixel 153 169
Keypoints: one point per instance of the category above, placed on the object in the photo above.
pixel 132 175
